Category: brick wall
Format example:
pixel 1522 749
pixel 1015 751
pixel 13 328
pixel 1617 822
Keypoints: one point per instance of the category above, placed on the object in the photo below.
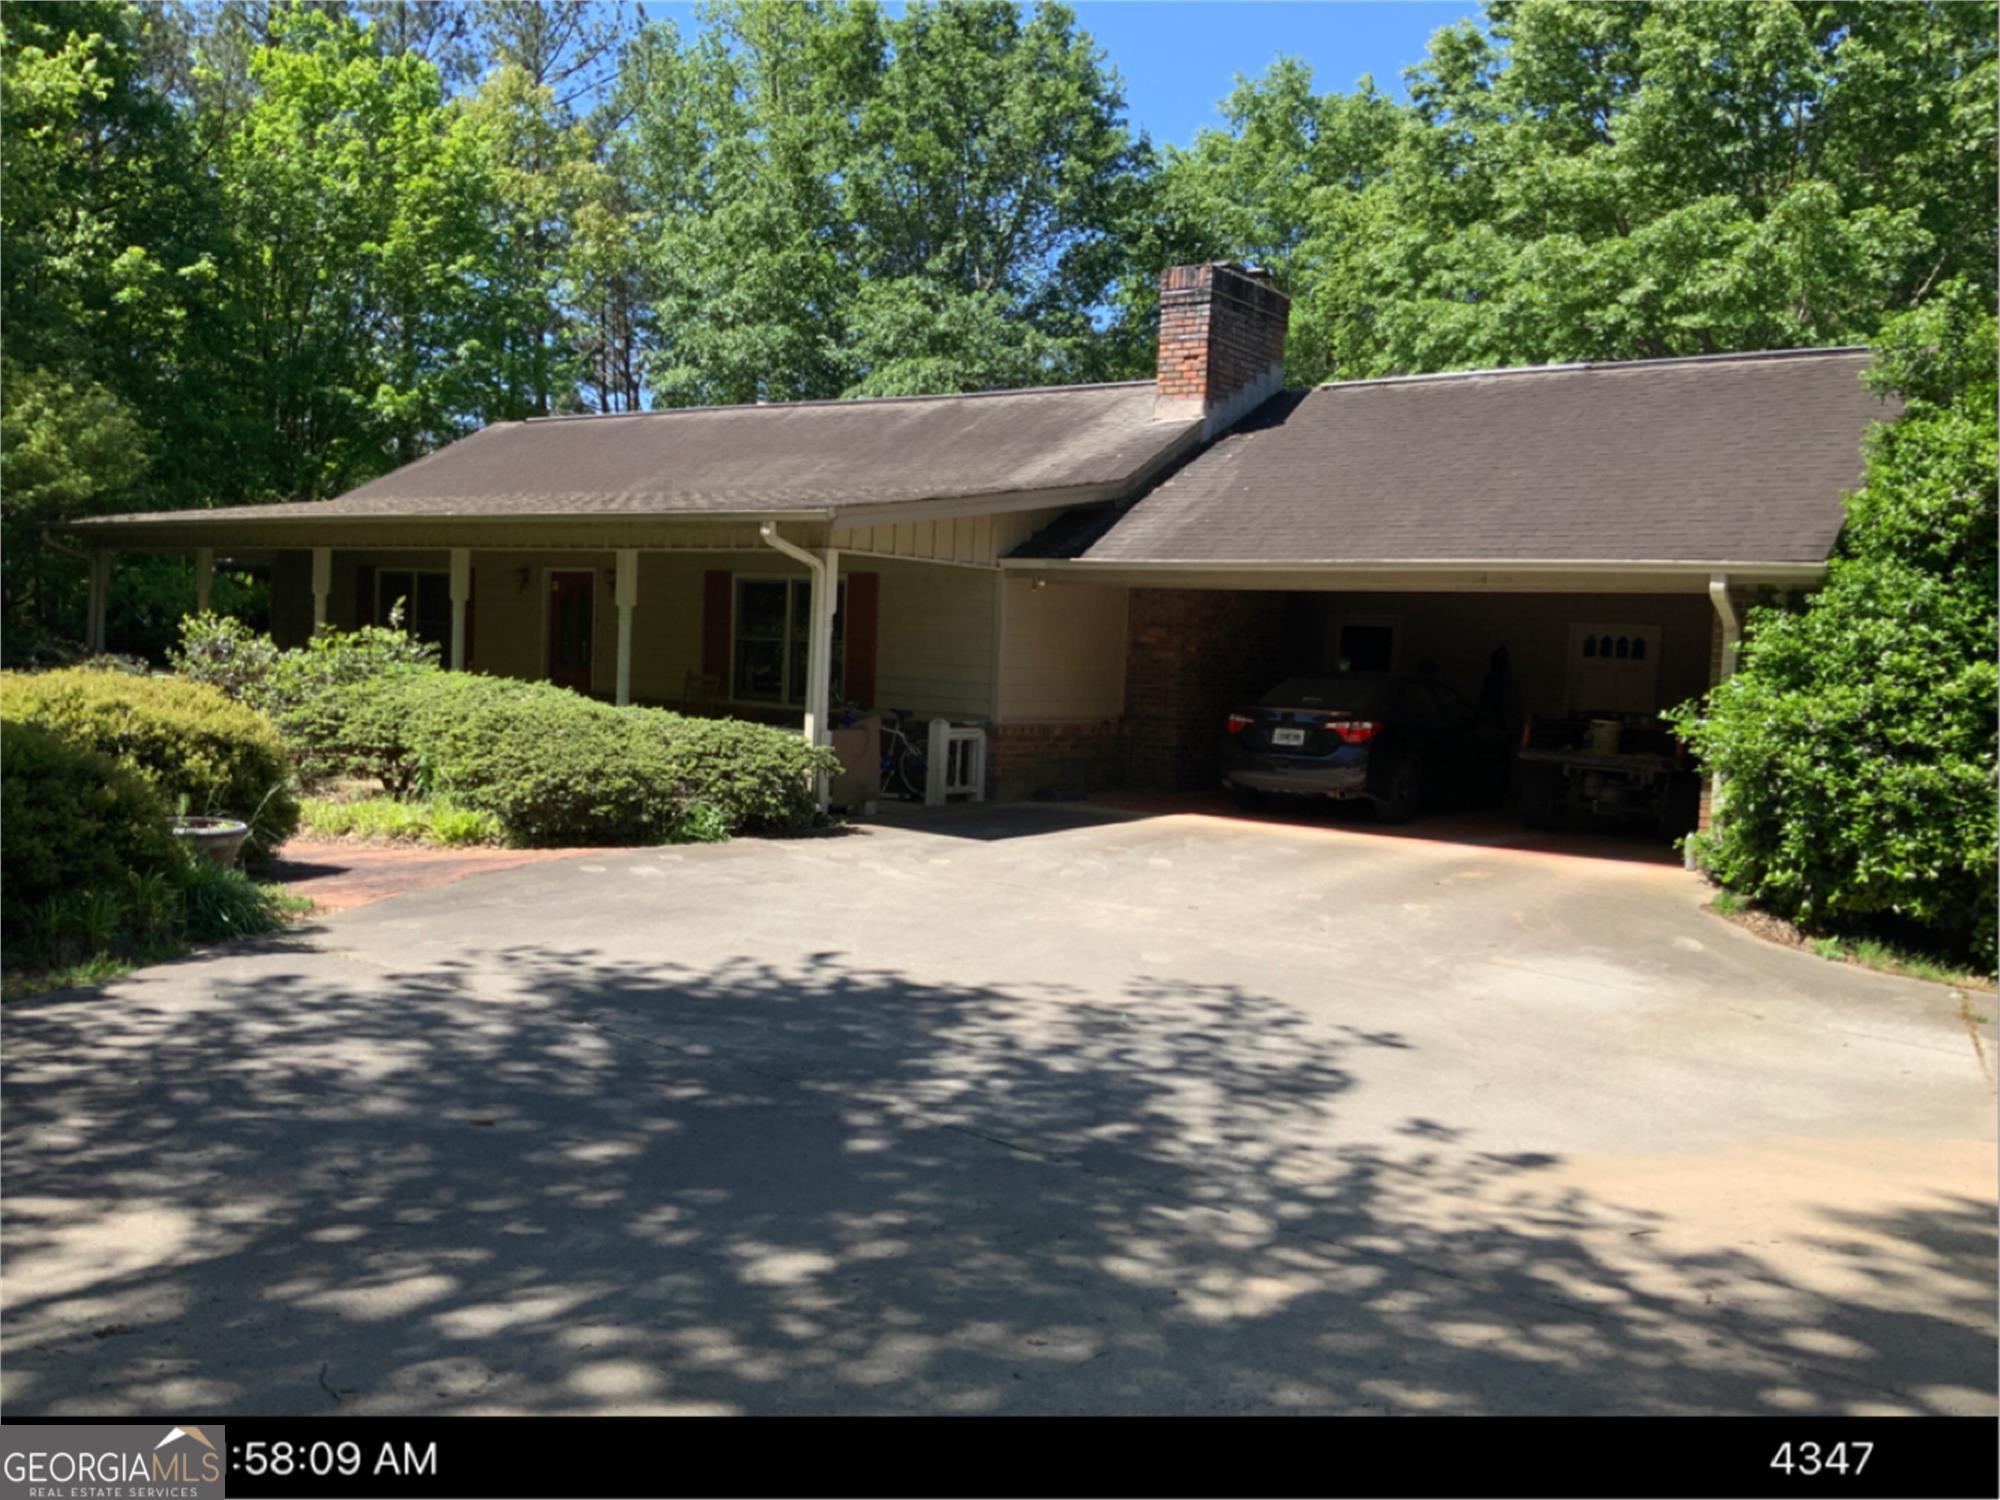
pixel 1023 759
pixel 1190 654
pixel 1222 330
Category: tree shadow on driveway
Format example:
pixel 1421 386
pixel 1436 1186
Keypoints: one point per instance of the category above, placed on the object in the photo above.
pixel 553 1182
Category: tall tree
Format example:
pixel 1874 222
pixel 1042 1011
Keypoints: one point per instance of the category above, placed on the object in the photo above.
pixel 848 204
pixel 741 140
pixel 1620 181
pixel 363 214
pixel 994 165
pixel 109 241
pixel 547 111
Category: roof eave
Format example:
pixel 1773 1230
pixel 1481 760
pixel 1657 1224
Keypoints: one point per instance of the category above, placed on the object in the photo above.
pixel 1381 573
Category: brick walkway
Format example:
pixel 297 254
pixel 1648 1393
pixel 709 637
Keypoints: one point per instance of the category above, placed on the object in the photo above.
pixel 337 877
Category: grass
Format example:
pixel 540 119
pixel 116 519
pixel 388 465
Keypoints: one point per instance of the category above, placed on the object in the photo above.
pixel 1872 953
pixel 385 820
pixel 151 924
pixel 1864 952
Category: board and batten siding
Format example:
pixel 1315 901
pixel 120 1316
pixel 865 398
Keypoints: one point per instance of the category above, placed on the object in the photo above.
pixel 1062 652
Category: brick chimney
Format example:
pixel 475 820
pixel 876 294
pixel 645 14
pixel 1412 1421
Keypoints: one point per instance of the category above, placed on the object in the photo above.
pixel 1222 343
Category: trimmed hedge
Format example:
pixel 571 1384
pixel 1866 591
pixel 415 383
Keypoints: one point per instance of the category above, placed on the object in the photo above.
pixel 185 739
pixel 71 820
pixel 560 769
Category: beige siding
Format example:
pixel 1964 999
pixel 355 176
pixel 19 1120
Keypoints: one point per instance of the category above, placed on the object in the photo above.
pixel 935 652
pixel 935 657
pixel 1062 652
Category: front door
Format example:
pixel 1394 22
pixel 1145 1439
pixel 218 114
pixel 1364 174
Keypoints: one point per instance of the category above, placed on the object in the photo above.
pixel 570 622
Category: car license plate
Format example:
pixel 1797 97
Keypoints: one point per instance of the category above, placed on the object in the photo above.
pixel 1288 736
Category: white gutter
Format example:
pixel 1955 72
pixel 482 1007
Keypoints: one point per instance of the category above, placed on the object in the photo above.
pixel 1556 568
pixel 819 644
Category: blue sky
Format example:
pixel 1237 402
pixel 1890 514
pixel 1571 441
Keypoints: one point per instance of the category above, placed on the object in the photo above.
pixel 1179 57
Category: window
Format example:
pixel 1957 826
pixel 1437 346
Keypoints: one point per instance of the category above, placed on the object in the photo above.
pixel 772 634
pixel 426 599
pixel 1365 643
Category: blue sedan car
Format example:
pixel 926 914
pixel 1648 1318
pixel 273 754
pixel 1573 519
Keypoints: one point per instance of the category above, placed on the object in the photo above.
pixel 1398 741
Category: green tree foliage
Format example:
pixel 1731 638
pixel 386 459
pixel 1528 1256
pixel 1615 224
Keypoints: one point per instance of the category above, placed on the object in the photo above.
pixel 1585 181
pixel 848 203
pixel 362 209
pixel 110 239
pixel 1857 742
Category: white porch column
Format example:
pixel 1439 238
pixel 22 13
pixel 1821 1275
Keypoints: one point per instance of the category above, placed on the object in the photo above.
pixel 100 592
pixel 819 649
pixel 626 597
pixel 204 578
pixel 461 592
pixel 322 584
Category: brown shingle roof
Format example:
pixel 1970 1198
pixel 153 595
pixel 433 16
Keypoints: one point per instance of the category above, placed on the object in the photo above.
pixel 1731 458
pixel 805 456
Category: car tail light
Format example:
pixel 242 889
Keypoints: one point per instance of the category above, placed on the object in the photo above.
pixel 1238 723
pixel 1355 731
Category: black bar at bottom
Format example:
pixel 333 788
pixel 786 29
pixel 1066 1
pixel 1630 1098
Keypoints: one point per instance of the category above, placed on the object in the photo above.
pixel 615 1457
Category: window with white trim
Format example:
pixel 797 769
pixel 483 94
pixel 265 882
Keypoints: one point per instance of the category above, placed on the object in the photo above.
pixel 770 639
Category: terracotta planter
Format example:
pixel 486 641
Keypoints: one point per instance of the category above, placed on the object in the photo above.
pixel 220 839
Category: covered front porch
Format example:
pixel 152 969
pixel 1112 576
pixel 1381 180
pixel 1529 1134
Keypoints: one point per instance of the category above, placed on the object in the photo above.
pixel 781 621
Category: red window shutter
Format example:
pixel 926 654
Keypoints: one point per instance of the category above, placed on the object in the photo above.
pixel 717 610
pixel 364 595
pixel 864 595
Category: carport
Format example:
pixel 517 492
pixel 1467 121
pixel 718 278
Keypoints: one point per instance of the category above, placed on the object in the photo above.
pixel 1201 642
pixel 1608 527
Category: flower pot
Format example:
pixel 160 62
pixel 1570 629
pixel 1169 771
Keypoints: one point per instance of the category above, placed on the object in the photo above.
pixel 219 839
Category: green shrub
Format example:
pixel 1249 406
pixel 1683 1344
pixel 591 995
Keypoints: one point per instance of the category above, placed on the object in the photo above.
pixel 185 738
pixel 251 669
pixel 89 871
pixel 227 655
pixel 1856 743
pixel 292 686
pixel 559 769
pixel 72 821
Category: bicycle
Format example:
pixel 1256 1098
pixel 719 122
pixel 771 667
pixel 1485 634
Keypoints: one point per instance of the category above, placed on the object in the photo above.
pixel 904 770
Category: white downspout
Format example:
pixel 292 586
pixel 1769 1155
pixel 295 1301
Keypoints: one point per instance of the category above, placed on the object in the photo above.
pixel 1732 626
pixel 1725 668
pixel 819 644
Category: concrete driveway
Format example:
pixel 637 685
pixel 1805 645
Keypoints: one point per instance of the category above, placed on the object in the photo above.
pixel 1027 1110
